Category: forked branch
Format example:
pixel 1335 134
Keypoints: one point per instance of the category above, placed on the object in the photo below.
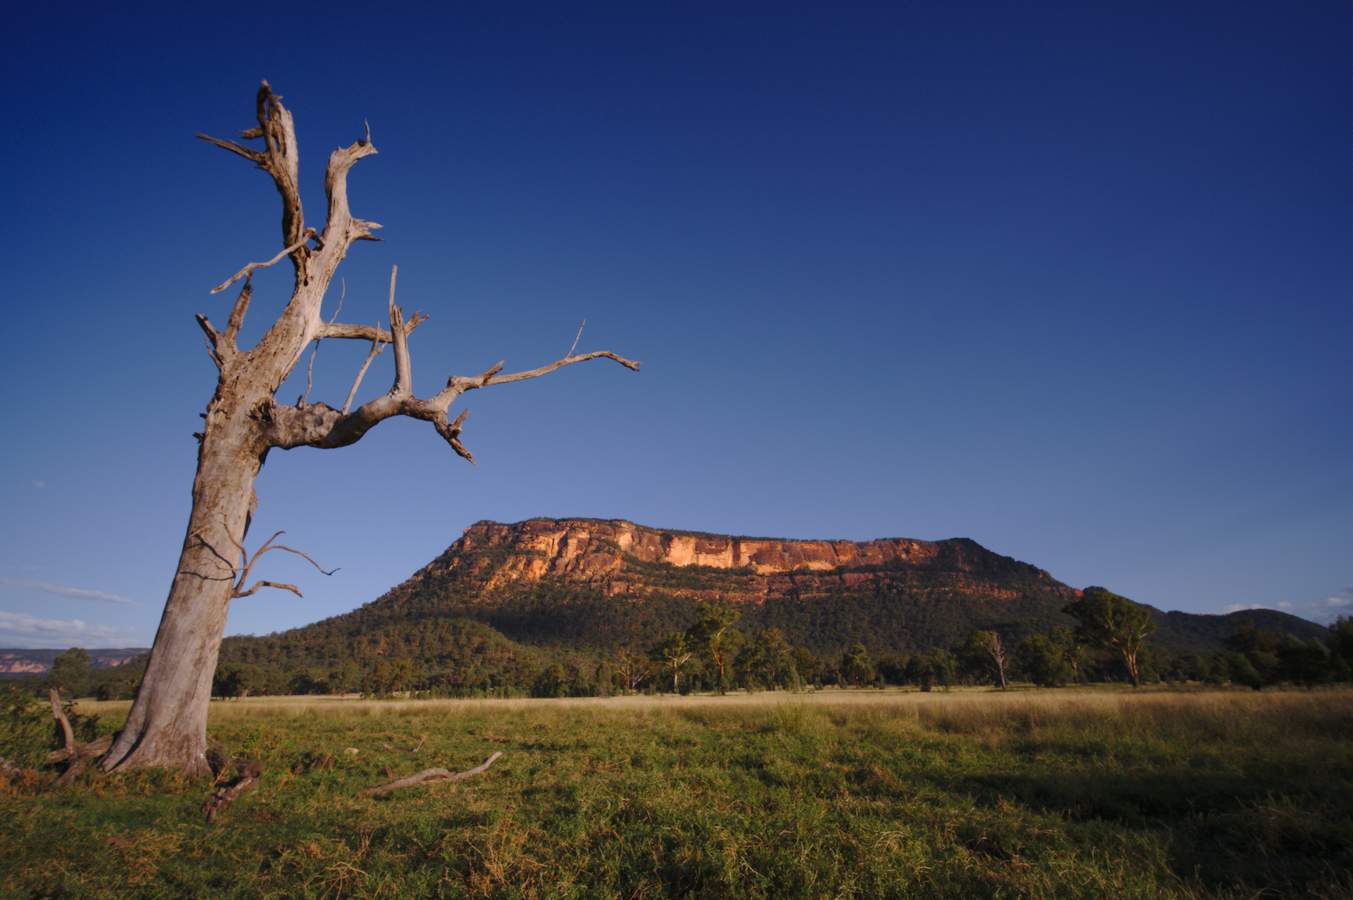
pixel 319 424
pixel 314 263
pixel 269 545
pixel 238 572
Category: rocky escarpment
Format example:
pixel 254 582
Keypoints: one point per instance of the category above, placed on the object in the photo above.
pixel 616 557
pixel 602 584
pixel 16 663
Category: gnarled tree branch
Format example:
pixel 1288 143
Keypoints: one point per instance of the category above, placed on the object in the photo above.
pixel 355 332
pixel 342 228
pixel 279 158
pixel 267 546
pixel 262 583
pixel 250 267
pixel 315 263
pixel 320 425
pixel 239 574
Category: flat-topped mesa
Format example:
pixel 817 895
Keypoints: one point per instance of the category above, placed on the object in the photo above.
pixel 621 557
pixel 566 543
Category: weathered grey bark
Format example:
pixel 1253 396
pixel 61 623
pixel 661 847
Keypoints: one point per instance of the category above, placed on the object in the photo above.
pixel 167 722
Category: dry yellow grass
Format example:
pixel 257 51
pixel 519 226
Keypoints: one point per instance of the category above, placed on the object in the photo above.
pixel 958 705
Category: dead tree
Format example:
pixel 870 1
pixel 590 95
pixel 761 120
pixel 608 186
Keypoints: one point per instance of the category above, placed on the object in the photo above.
pixel 673 653
pixel 996 650
pixel 631 668
pixel 244 421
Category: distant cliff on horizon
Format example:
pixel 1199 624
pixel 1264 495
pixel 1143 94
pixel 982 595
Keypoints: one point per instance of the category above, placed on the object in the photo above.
pixel 592 583
pixel 16 663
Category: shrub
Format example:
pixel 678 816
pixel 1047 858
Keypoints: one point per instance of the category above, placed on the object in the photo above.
pixel 25 728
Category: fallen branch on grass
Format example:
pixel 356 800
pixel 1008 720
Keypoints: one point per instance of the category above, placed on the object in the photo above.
pixel 81 757
pixel 430 775
pixel 96 747
pixel 226 794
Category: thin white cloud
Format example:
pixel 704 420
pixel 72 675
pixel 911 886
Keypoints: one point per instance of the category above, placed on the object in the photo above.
pixel 62 590
pixel 22 630
pixel 39 483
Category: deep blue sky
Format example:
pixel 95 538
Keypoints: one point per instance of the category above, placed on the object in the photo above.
pixel 1074 282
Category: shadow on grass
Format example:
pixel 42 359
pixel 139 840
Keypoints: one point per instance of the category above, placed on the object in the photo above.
pixel 1223 831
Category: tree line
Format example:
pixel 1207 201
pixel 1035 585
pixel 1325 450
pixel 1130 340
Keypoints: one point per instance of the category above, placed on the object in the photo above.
pixel 1111 641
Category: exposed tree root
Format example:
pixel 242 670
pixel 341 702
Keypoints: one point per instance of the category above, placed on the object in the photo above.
pixel 429 775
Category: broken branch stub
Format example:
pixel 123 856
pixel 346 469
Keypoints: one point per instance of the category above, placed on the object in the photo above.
pixel 67 735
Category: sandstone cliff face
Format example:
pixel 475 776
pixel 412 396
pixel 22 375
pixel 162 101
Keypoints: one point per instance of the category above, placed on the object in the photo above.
pixel 619 557
pixel 15 664
pixel 37 662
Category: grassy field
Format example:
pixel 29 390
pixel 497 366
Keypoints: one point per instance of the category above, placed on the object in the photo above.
pixel 865 794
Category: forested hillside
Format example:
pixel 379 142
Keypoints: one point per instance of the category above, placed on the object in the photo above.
pixel 556 606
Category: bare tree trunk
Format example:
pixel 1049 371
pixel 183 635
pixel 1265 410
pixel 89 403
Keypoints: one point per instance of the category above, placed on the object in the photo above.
pixel 167 724
pixel 996 650
pixel 1130 659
